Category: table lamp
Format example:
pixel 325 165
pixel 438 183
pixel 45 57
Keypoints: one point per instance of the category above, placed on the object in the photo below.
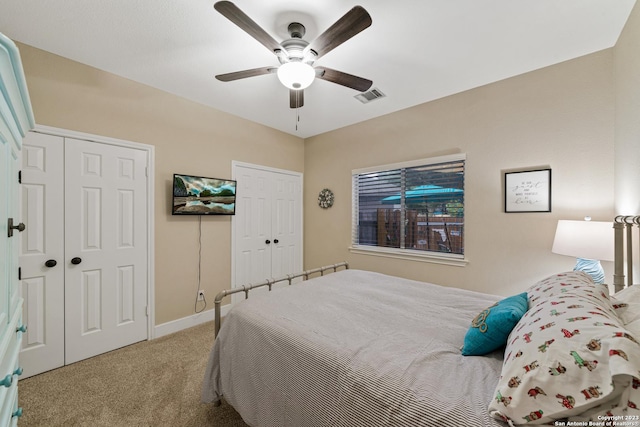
pixel 588 241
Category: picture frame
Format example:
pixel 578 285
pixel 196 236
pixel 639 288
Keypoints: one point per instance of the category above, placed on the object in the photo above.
pixel 527 191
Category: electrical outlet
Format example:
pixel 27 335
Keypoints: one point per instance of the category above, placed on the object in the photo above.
pixel 200 295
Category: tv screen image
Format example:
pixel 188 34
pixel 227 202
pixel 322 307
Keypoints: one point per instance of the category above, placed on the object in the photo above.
pixel 198 195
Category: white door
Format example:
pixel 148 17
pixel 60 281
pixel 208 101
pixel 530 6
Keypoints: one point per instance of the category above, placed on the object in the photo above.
pixel 252 226
pixel 286 224
pixel 42 255
pixel 88 201
pixel 105 248
pixel 267 227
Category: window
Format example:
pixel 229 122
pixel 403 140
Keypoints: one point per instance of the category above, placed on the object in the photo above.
pixel 411 209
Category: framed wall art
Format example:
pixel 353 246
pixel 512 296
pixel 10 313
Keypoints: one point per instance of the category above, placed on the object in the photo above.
pixel 527 191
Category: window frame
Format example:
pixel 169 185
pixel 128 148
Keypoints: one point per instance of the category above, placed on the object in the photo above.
pixel 458 260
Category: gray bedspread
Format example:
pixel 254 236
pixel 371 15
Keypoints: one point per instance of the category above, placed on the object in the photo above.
pixel 353 348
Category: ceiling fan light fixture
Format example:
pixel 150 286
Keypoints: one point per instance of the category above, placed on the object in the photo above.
pixel 296 75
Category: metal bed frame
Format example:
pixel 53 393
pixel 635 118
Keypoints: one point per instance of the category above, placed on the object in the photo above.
pixel 623 231
pixel 269 283
pixel 621 223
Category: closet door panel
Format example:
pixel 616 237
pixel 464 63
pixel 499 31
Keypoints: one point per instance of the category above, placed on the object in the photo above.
pixel 105 248
pixel 286 223
pixel 252 228
pixel 42 243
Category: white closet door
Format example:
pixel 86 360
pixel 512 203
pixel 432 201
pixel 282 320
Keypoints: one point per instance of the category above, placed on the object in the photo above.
pixel 42 246
pixel 267 227
pixel 105 248
pixel 286 224
pixel 252 224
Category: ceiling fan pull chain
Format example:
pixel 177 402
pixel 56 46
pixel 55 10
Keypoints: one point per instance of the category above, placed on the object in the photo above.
pixel 297 109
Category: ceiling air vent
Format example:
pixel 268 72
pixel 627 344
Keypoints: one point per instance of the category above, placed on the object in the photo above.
pixel 369 96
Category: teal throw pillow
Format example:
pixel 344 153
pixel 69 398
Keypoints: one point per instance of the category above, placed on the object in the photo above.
pixel 490 329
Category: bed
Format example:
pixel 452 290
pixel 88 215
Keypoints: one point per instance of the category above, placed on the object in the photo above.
pixel 358 348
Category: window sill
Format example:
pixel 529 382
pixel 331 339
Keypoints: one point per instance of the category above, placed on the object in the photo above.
pixel 434 258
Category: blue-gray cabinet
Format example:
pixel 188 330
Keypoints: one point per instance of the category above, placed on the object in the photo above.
pixel 16 118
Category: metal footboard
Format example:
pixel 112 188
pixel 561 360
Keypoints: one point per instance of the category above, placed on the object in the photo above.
pixel 269 283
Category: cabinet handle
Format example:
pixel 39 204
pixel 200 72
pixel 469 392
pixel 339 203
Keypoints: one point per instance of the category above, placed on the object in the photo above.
pixel 51 263
pixel 76 260
pixel 11 227
pixel 275 241
pixel 267 241
pixel 17 413
pixel 21 328
pixel 18 371
pixel 6 381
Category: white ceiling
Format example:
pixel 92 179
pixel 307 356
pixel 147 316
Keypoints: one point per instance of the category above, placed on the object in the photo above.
pixel 415 51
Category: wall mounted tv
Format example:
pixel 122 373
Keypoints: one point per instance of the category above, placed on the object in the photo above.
pixel 197 195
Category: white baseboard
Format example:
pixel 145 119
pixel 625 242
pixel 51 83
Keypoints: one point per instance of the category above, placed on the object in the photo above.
pixel 188 322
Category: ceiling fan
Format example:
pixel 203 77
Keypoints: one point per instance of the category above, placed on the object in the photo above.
pixel 297 56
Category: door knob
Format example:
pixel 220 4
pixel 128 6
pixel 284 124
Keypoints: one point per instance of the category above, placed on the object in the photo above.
pixel 51 263
pixel 76 260
pixel 11 227
pixel 267 241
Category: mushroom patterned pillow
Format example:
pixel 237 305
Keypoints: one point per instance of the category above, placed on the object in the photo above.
pixel 558 284
pixel 569 356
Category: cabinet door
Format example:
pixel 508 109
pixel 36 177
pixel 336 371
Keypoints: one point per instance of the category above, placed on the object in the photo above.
pixel 13 285
pixel 4 240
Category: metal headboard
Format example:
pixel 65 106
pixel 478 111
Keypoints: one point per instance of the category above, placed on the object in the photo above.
pixel 269 283
pixel 621 224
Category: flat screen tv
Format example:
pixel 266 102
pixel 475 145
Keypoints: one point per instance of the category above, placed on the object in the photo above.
pixel 197 195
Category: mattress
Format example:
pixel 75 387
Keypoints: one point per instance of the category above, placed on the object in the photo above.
pixel 354 348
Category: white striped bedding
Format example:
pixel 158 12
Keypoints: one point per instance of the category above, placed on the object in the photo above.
pixel 353 348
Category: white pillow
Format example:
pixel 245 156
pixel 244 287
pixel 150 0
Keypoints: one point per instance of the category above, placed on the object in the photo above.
pixel 627 305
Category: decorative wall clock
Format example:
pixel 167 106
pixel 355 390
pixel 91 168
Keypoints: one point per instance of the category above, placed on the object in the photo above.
pixel 325 198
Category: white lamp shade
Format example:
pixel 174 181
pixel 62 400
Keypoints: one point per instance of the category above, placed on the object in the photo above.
pixel 584 239
pixel 296 75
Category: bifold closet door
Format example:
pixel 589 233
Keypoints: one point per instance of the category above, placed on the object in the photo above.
pixel 84 251
pixel 267 225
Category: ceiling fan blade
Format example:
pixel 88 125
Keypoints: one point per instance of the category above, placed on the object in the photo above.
pixel 354 21
pixel 248 25
pixel 237 75
pixel 296 98
pixel 344 79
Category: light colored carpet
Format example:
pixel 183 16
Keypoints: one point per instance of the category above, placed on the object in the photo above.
pixel 152 383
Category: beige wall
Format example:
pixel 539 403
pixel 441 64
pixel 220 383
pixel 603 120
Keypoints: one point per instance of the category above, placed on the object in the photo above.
pixel 627 134
pixel 188 137
pixel 560 117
